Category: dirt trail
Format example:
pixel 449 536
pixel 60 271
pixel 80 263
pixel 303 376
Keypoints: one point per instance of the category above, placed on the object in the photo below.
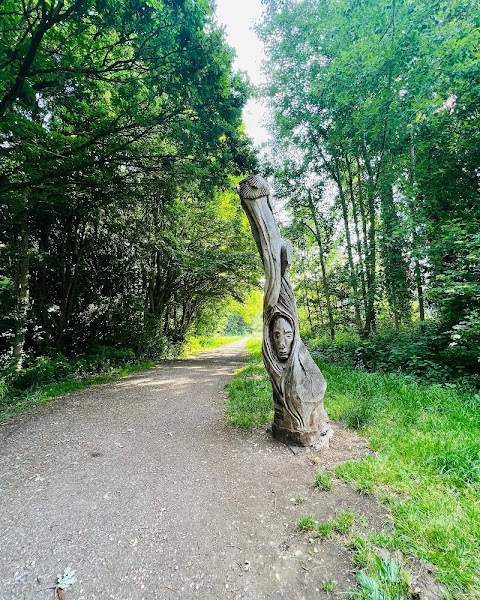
pixel 144 492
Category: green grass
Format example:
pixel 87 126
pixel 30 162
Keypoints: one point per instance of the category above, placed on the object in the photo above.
pixel 11 407
pixel 196 344
pixel 426 465
pixel 306 523
pixel 323 530
pixel 329 585
pixel 249 394
pixel 323 480
pixel 341 524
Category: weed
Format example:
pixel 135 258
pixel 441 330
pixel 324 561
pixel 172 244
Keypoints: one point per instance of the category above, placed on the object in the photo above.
pixel 329 585
pixel 383 579
pixel 323 530
pixel 343 522
pixel 361 551
pixel 323 481
pixel 306 523
pixel 299 500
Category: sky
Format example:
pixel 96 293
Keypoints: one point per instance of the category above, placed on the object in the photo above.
pixel 239 19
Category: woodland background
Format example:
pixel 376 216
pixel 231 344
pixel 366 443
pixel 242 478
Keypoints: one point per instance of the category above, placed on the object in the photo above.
pixel 377 152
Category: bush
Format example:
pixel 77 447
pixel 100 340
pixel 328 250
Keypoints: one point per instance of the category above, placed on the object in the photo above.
pixel 40 371
pixel 423 351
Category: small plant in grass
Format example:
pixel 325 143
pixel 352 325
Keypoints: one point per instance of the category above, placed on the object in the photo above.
pixel 343 522
pixel 378 578
pixel 306 523
pixel 323 530
pixel 384 579
pixel 329 585
pixel 361 551
pixel 323 481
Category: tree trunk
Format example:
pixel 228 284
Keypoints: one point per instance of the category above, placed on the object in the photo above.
pixel 370 317
pixel 22 303
pixel 353 274
pixel 415 240
pixel 419 284
pixel 69 291
pixel 40 292
pixel 318 237
pixel 307 304
pixel 361 256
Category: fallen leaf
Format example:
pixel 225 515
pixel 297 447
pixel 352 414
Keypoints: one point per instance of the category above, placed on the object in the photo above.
pixel 61 593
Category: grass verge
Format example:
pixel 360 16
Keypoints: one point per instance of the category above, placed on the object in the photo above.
pixel 426 465
pixel 249 402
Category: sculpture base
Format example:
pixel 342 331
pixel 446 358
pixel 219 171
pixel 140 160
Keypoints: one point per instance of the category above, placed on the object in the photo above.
pixel 315 439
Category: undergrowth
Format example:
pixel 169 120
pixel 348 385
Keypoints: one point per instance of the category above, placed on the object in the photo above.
pixel 423 352
pixel 426 465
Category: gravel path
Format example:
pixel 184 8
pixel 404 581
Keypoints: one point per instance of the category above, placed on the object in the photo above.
pixel 144 492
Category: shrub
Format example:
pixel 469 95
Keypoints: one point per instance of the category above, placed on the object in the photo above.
pixel 423 351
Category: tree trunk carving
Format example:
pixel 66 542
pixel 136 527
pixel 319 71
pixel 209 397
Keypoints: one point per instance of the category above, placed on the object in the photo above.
pixel 298 384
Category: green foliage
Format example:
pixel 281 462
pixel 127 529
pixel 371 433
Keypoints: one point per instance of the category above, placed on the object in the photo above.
pixel 422 351
pixel 306 523
pixel 323 480
pixel 375 147
pixel 194 344
pixel 120 132
pixel 39 371
pixel 245 317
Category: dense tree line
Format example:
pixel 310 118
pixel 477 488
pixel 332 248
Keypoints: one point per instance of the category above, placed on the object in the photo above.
pixel 120 129
pixel 376 118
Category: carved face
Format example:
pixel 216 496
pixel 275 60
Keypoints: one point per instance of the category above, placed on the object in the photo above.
pixel 282 337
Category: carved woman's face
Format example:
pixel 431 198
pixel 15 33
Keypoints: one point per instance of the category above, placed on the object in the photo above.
pixel 282 334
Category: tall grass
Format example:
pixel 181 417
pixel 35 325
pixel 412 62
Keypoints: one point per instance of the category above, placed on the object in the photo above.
pixel 426 464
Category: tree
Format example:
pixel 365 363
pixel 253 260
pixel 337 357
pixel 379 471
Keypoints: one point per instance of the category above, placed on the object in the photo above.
pixel 382 100
pixel 116 120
